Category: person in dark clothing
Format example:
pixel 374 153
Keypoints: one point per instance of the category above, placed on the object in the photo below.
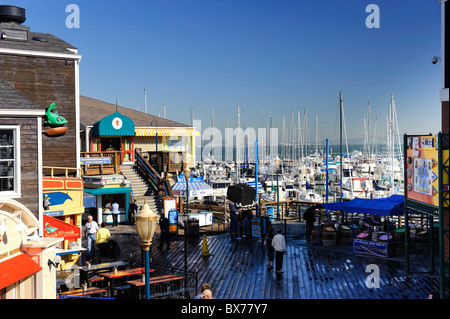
pixel 233 222
pixel 164 226
pixel 309 217
pixel 270 250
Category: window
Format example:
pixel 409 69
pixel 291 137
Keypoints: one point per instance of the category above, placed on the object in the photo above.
pixel 9 161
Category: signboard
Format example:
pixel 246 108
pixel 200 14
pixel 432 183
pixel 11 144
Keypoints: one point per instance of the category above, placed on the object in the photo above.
pixel 95 160
pixel 54 228
pixel 422 182
pixel 169 203
pixel 256 227
pixel 370 247
pixel 173 220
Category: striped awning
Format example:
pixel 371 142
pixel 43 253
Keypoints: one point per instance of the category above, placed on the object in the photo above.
pixel 196 189
pixel 165 131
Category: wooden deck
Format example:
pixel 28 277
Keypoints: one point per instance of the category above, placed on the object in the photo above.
pixel 237 270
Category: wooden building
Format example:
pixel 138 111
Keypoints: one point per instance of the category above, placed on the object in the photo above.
pixel 39 131
pixel 149 133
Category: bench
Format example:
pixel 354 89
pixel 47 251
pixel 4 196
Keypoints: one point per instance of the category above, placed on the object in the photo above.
pixel 165 279
pixel 122 291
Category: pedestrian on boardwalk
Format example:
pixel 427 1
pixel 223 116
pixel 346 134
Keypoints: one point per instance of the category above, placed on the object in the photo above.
pixel 90 232
pixel 164 226
pixel 134 210
pixel 115 213
pixel 270 250
pixel 310 218
pixel 279 245
pixel 233 221
pixel 102 240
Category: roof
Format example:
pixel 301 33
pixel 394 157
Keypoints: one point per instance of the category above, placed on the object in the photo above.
pixel 53 45
pixel 92 111
pixel 11 99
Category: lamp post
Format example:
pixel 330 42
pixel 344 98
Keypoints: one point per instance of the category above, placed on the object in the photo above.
pixel 155 122
pixel 145 227
pixel 187 175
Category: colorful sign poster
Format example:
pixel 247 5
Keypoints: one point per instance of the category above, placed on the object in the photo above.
pixel 173 220
pixel 422 170
pixel 379 249
pixel 54 228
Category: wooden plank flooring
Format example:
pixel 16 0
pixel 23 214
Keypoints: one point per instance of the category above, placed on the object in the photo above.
pixel 237 270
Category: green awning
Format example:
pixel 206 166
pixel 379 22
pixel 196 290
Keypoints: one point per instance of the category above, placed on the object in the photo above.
pixel 114 125
pixel 108 190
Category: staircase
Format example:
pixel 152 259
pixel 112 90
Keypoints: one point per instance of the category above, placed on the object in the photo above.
pixel 142 190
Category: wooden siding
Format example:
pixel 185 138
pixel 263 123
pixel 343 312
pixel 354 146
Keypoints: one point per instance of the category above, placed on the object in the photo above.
pixel 28 161
pixel 46 81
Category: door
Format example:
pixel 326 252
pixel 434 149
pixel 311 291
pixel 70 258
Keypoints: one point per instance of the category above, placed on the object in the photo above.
pixel 127 150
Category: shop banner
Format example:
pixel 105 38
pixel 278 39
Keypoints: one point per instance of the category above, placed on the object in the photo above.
pixel 54 228
pixel 370 247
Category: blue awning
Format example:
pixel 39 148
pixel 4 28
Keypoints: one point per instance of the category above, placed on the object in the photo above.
pixel 108 190
pixel 390 206
pixel 114 125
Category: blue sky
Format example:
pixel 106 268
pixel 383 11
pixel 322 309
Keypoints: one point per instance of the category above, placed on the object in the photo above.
pixel 274 57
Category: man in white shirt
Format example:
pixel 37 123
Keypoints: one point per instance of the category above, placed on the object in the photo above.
pixel 90 232
pixel 115 213
pixel 279 244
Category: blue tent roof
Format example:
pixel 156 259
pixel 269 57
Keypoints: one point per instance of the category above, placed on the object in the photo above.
pixel 391 206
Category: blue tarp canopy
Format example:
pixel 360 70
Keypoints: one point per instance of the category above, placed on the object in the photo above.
pixel 390 206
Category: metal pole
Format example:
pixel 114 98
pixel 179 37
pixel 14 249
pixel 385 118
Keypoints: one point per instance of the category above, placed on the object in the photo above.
pixel 147 273
pixel 256 177
pixel 326 193
pixel 185 235
pixel 441 217
pixel 405 143
pixel 278 197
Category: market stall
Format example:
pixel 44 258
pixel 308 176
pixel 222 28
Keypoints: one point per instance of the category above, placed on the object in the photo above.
pixel 370 226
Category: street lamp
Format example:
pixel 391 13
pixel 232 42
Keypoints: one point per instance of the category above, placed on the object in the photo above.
pixel 145 227
pixel 155 122
pixel 187 175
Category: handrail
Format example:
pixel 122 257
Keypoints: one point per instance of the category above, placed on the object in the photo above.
pixel 66 169
pixel 152 175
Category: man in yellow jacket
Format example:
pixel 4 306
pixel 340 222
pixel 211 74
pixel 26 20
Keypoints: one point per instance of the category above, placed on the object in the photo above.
pixel 102 240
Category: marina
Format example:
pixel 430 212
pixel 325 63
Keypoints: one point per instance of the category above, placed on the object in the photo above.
pixel 226 178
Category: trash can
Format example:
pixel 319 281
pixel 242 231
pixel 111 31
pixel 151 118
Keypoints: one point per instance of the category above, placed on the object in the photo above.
pixel 192 227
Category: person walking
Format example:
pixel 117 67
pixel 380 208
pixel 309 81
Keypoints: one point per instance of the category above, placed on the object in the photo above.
pixel 279 245
pixel 90 233
pixel 102 240
pixel 134 209
pixel 309 217
pixel 164 226
pixel 115 213
pixel 233 221
pixel 270 250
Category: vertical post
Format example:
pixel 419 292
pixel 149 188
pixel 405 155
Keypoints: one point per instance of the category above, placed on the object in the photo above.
pixel 278 197
pixel 147 273
pixel 441 217
pixel 256 177
pixel 326 181
pixel 405 145
pixel 185 235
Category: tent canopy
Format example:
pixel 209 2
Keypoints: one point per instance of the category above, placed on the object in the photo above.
pixel 390 206
pixel 241 194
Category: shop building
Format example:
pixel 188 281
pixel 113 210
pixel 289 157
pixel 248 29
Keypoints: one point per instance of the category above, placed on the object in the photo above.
pixel 39 152
pixel 117 142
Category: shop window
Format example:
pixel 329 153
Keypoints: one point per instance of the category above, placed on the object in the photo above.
pixel 10 161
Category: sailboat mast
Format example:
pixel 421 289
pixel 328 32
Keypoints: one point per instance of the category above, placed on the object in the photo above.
pixel 340 141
